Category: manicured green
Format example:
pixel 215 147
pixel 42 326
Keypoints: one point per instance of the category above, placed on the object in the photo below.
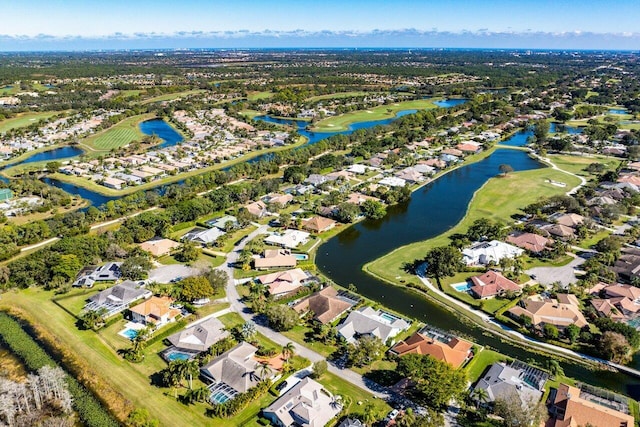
pixel 357 397
pixel 577 164
pixel 342 122
pixel 121 134
pixel 171 96
pixel 481 362
pixel 336 96
pixel 25 119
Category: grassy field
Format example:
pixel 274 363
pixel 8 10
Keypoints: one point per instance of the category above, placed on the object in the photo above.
pixel 342 122
pixel 511 193
pixel 171 96
pixel 255 96
pixel 575 164
pixel 357 397
pixel 336 96
pixel 25 119
pixel 480 362
pixel 118 135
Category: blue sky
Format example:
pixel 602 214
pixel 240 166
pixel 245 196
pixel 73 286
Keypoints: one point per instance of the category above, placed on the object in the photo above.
pixel 81 24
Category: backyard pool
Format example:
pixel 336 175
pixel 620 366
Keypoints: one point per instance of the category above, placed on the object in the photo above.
pixel 462 287
pixel 301 257
pixel 171 355
pixel 219 397
pixel 129 333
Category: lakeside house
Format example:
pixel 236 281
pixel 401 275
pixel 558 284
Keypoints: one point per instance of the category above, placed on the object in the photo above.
pixel 570 406
pixel 449 349
pixel 492 283
pixel 503 381
pixel 483 253
pixel 531 242
pixel 307 403
pixel 560 312
pixel 368 321
pixel 318 224
pixel 288 239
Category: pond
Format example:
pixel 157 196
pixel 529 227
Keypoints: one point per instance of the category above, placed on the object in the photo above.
pixel 163 130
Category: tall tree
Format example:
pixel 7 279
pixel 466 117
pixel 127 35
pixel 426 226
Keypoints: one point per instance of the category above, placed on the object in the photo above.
pixel 442 262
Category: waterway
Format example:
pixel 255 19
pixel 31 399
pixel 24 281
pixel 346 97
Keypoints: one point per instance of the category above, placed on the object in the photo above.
pixel 163 130
pixel 432 210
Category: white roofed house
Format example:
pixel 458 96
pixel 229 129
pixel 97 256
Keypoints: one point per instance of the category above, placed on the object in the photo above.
pixel 307 404
pixel 203 236
pixel 368 321
pixel 288 239
pixel 483 253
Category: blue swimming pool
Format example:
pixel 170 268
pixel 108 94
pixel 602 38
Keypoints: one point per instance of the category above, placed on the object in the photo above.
pixel 462 287
pixel 129 333
pixel 219 397
pixel 388 317
pixel 177 355
pixel 301 257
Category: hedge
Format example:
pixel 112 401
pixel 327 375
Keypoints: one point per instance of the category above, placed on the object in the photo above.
pixel 180 324
pixel 89 409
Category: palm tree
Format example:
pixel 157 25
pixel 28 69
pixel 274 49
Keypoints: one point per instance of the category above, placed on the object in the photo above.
pixel 480 395
pixel 368 415
pixel 263 369
pixel 288 350
pixel 248 330
pixel 191 368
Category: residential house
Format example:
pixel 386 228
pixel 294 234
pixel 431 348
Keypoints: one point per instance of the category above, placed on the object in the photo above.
pixel 278 199
pixel 284 282
pixel 318 224
pixel 155 310
pixel 392 181
pixel 503 382
pixel 114 183
pixel 110 272
pixel 571 407
pixel 452 350
pixel 257 209
pixel 560 312
pixel 358 169
pixel 159 247
pixel 316 179
pixel 117 298
pixel 307 404
pixel 223 222
pixel 410 175
pixel 326 305
pixel 203 236
pixel 234 371
pixel 368 321
pixel 569 220
pixel 559 231
pixel 492 283
pixel 531 242
pixel 351 422
pixel 288 239
pixel 199 337
pixel 275 258
pixel 628 264
pixel 359 198
pixel 483 253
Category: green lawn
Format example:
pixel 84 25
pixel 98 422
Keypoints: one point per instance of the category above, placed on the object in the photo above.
pixel 342 122
pixel 595 238
pixel 357 397
pixel 171 96
pixel 25 119
pixel 480 362
pixel 118 135
pixel 577 164
pixel 510 193
pixel 255 96
pixel 337 95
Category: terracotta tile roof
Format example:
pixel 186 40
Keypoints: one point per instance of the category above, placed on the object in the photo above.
pixel 455 352
pixel 550 311
pixel 318 224
pixel 577 411
pixel 324 304
pixel 156 307
pixel 492 283
pixel 529 241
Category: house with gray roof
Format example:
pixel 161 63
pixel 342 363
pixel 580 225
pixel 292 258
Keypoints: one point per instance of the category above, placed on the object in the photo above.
pixel 221 223
pixel 233 371
pixel 502 381
pixel 110 272
pixel 199 337
pixel 368 321
pixel 117 298
pixel 203 236
pixel 307 404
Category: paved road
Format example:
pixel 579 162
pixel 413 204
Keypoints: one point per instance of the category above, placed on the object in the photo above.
pixel 238 306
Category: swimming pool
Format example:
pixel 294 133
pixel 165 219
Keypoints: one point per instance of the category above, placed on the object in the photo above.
pixel 301 257
pixel 129 333
pixel 462 287
pixel 388 317
pixel 172 355
pixel 219 397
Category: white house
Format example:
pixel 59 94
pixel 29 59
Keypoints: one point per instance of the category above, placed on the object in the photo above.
pixel 483 253
pixel 288 239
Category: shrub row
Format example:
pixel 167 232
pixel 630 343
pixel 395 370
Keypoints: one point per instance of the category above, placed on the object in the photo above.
pixel 180 324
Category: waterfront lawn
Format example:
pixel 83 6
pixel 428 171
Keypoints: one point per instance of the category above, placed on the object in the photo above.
pixel 481 361
pixel 577 164
pixel 342 121
pixel 25 119
pixel 510 194
pixel 357 397
pixel 171 96
pixel 118 135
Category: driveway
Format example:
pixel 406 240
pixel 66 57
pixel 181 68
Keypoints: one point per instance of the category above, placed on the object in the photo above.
pixel 167 273
pixel 565 274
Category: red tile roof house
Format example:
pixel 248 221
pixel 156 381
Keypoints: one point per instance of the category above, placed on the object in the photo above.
pixel 529 241
pixel 492 283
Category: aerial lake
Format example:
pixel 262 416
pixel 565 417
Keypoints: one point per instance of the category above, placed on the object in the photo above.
pixel 163 130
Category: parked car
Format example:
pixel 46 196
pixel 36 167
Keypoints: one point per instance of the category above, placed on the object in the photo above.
pixel 281 386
